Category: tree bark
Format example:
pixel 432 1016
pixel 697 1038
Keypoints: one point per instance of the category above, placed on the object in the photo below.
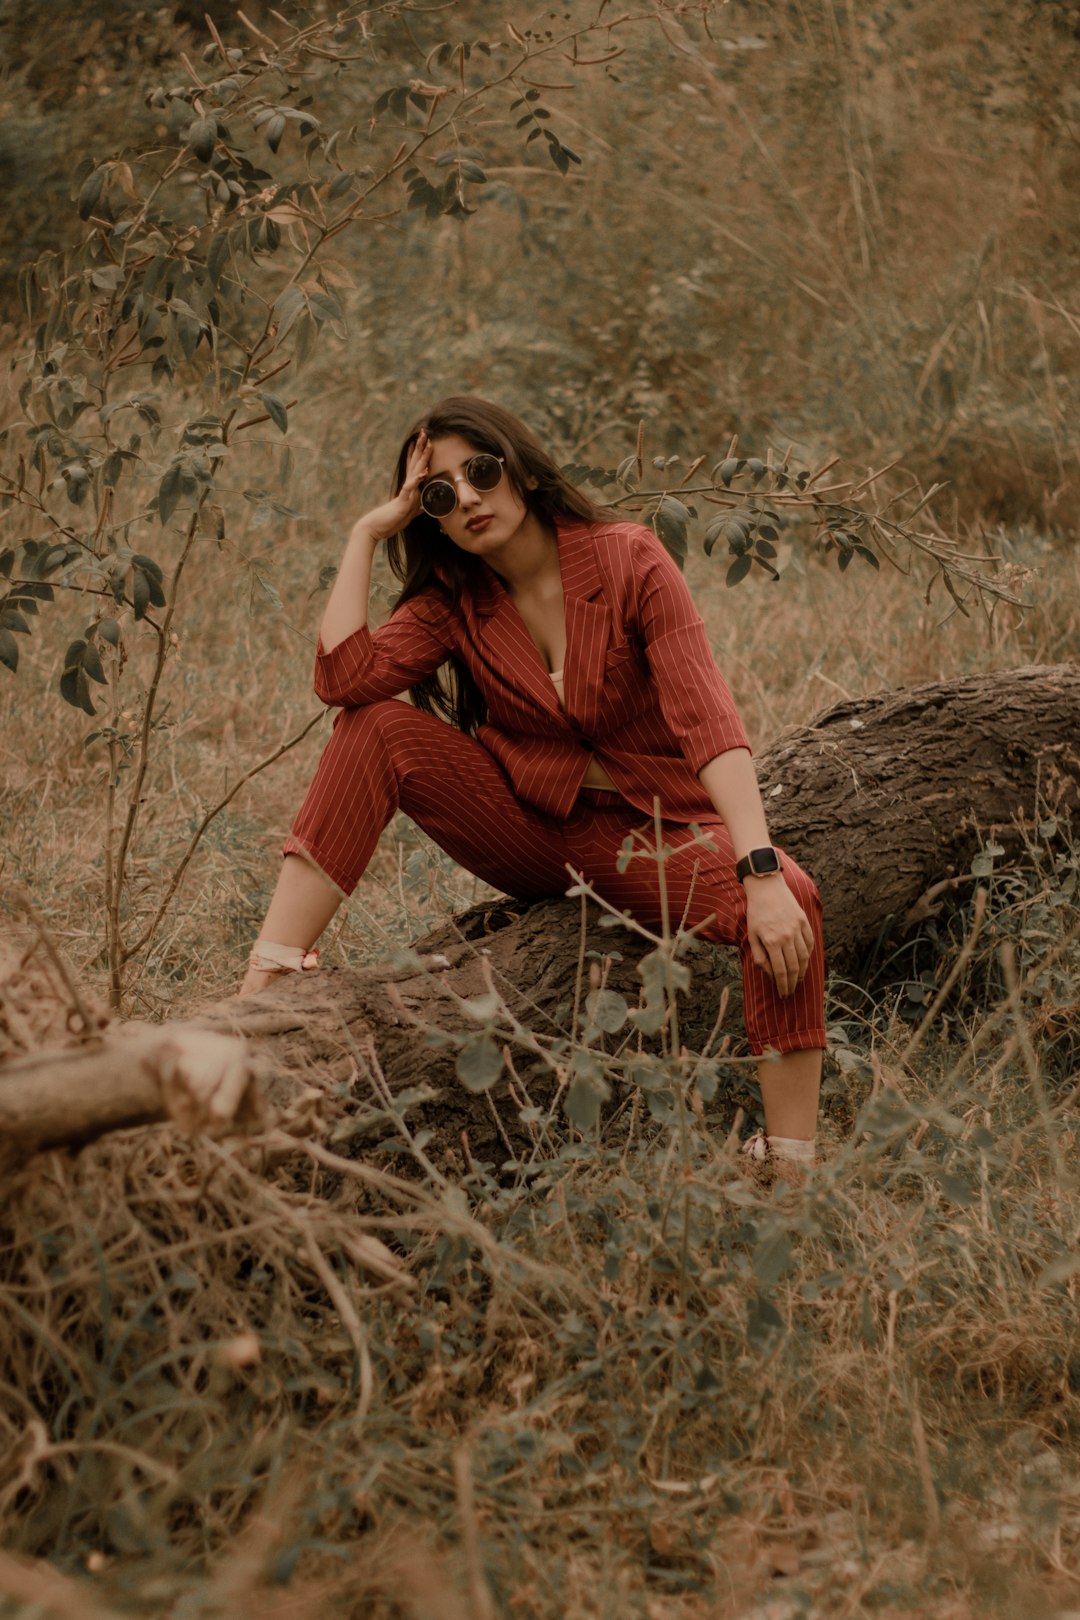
pixel 884 799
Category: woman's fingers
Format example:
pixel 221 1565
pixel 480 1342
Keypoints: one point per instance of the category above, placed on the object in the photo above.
pixel 780 935
pixel 784 957
pixel 759 951
pixel 417 463
pixel 784 966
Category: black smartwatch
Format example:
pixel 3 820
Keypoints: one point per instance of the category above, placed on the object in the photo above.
pixel 759 862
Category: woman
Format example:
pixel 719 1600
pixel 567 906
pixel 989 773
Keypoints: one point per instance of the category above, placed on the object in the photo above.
pixel 564 648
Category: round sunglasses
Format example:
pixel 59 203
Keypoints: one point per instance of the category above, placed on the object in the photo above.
pixel 482 472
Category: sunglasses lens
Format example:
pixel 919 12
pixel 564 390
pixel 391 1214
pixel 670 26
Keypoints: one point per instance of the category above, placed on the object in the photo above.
pixel 484 472
pixel 438 498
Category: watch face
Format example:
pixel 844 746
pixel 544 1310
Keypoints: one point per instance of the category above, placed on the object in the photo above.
pixel 763 861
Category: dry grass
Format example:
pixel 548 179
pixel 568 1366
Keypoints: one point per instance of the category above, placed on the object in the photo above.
pixel 643 1385
pixel 238 1383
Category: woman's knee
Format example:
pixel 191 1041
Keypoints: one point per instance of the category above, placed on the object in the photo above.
pixel 365 718
pixel 387 725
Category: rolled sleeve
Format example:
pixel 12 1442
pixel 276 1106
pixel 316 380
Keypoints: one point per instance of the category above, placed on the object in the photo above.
pixel 694 698
pixel 373 664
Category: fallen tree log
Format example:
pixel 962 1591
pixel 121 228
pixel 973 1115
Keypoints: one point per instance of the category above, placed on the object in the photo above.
pixel 885 799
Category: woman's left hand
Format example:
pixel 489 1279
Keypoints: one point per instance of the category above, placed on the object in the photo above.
pixel 781 938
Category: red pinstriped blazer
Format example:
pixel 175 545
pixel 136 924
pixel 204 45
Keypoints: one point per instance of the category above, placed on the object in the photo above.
pixel 641 688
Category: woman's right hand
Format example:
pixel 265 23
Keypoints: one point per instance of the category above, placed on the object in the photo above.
pixel 390 518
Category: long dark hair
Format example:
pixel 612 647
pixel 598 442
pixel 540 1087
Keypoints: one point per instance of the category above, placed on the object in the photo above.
pixel 414 553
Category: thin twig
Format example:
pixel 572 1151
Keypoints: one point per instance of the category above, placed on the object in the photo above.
pixel 957 968
pixel 350 1320
pixel 90 1024
pixel 196 837
pixel 116 950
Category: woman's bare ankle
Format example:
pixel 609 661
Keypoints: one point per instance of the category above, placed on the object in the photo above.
pixel 256 979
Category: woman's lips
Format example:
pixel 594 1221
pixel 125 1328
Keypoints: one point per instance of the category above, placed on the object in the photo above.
pixel 477 525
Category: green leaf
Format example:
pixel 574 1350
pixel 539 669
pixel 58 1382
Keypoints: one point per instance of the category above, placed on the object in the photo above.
pixel 92 188
pixel 9 650
pixel 109 631
pixel 479 1064
pixel 140 592
pixel 307 332
pixel 762 1320
pixel 607 1010
pixel 706 1082
pixel 772 1257
pixel 661 1105
pixel 649 1074
pixel 77 480
pixel 187 326
pixel 278 414
pixel 483 1008
pixel 325 307
pixel 727 470
pixel 268 590
pixel 287 306
pixel 983 863
pixel 584 1100
pixel 202 138
pixel 91 663
pixel 107 277
pixel 148 566
pixel 74 689
pixel 218 257
pixel 738 570
pixel 1058 1271
pixel 169 493
pixel 30 592
pixel 670 522
pixel 275 129
pixel 626 472
pixel 956 1188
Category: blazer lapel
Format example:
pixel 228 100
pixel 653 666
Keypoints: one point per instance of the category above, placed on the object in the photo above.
pixel 506 644
pixel 505 641
pixel 588 623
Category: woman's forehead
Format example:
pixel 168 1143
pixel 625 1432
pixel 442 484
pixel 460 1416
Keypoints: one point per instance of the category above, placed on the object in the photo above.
pixel 450 453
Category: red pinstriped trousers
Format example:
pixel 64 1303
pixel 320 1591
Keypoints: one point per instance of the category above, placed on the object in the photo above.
pixel 387 756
